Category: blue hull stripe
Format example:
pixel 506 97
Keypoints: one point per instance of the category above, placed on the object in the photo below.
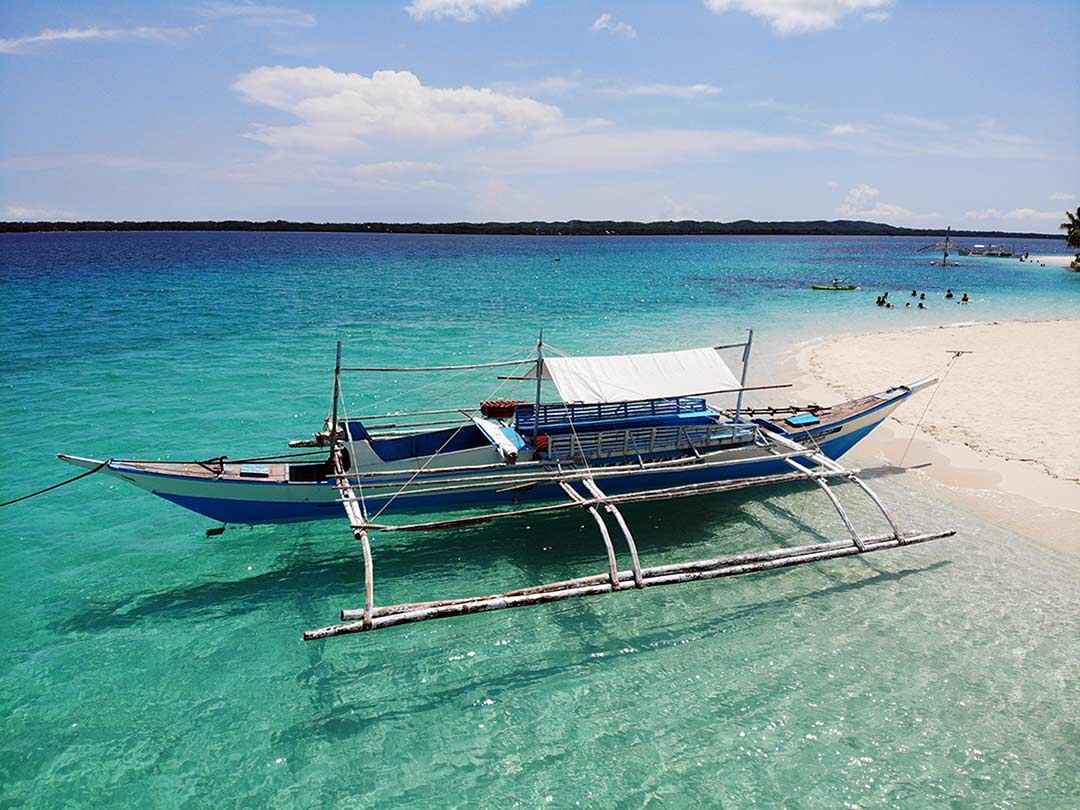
pixel 229 510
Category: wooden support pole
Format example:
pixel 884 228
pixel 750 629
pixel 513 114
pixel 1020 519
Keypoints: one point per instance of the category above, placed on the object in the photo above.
pixel 877 501
pixel 742 379
pixel 832 497
pixel 613 564
pixel 358 522
pixel 820 458
pixel 613 510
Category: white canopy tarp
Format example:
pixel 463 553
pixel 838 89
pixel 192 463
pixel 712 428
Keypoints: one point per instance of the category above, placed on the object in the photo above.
pixel 622 377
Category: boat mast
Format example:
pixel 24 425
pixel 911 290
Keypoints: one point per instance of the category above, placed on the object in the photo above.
pixel 742 379
pixel 334 405
pixel 945 258
pixel 539 383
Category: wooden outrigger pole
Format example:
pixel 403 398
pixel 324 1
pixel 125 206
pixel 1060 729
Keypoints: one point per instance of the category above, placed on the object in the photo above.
pixel 600 584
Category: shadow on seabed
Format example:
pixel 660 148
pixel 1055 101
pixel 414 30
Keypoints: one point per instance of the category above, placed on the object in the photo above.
pixel 346 717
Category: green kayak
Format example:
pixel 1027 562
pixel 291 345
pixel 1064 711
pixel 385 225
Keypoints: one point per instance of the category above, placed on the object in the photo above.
pixel 834 287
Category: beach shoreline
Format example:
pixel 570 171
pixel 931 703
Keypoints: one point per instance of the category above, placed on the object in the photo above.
pixel 1053 260
pixel 996 436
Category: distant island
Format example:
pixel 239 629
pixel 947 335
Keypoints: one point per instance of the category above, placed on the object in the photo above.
pixel 573 227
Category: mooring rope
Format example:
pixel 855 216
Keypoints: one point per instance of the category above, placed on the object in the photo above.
pixel 99 467
pixel 956 355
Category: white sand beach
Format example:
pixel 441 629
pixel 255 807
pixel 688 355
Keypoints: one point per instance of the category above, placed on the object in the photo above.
pixel 1001 433
pixel 1053 261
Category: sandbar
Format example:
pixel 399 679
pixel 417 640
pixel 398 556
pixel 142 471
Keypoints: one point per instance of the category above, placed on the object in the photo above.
pixel 1002 430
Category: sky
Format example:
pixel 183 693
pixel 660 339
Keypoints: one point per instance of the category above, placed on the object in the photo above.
pixel 910 112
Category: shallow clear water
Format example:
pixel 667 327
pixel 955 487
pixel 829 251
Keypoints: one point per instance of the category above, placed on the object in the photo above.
pixel 145 665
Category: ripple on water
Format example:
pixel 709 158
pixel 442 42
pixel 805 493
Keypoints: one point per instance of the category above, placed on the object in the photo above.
pixel 145 664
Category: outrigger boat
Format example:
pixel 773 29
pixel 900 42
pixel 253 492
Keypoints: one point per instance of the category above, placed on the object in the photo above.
pixel 626 428
pixel 944 246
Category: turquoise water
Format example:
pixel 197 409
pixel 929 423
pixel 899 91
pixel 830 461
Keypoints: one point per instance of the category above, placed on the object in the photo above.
pixel 144 665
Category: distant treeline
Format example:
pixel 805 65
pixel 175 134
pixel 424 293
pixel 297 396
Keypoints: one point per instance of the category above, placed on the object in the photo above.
pixel 573 227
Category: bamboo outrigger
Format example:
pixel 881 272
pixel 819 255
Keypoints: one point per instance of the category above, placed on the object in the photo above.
pixel 628 429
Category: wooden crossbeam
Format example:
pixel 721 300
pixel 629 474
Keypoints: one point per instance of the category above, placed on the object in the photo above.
pixel 680 491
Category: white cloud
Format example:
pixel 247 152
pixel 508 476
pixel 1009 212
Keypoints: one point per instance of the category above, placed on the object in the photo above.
pixel 339 109
pixel 859 197
pixel 638 151
pixel 877 16
pixel 773 104
pixel 460 10
pixel 277 172
pixel 897 135
pixel 560 85
pixel 255 14
pixel 1017 214
pixel 394 167
pixel 606 22
pixel 800 16
pixel 1064 195
pixel 18 212
pixel 677 211
pixel 20 44
pixel 547 86
pixel 862 202
pixel 915 121
pixel 685 91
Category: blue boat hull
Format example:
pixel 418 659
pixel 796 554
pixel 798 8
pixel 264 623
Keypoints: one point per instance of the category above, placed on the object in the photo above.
pixel 229 510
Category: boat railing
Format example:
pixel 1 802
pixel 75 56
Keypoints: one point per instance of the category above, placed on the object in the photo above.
pixel 645 441
pixel 561 413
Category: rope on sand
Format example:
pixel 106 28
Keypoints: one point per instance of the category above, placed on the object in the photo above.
pixel 955 356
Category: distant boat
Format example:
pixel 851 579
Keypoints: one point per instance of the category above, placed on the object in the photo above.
pixel 836 286
pixel 944 248
pixel 997 251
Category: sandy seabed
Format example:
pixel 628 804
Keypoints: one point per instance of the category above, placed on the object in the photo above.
pixel 1002 430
